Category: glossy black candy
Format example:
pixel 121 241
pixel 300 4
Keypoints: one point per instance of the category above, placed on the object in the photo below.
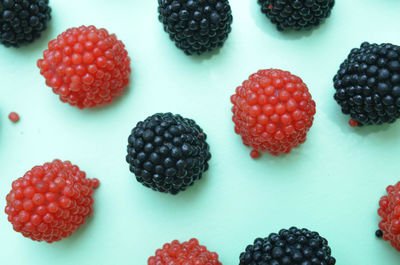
pixel 196 26
pixel 367 84
pixel 289 247
pixel 167 152
pixel 22 21
pixel 296 14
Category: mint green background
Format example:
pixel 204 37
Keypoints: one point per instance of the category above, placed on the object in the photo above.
pixel 331 184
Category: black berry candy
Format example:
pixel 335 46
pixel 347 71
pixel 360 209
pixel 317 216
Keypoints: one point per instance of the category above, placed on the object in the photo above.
pixel 22 21
pixel 196 26
pixel 368 84
pixel 296 14
pixel 289 247
pixel 167 152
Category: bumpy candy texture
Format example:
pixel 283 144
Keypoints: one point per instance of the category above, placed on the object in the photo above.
pixel 272 111
pixel 368 84
pixel 389 210
pixel 196 26
pixel 289 247
pixel 167 152
pixel 186 253
pixel 296 14
pixel 51 201
pixel 86 66
pixel 22 21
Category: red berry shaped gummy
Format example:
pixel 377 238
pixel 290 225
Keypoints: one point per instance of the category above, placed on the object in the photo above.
pixel 86 66
pixel 272 111
pixel 186 253
pixel 389 210
pixel 51 201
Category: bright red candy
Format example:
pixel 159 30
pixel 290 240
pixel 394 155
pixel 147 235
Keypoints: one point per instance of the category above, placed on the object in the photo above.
pixel 51 201
pixel 272 111
pixel 390 212
pixel 86 66
pixel 13 116
pixel 186 253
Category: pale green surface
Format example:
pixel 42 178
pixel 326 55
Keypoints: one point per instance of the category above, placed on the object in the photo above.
pixel 331 184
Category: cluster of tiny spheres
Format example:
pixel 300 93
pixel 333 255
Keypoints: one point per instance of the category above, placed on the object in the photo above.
pixel 273 111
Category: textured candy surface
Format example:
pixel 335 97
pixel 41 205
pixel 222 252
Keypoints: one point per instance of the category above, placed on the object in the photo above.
pixel 196 26
pixel 167 152
pixel 186 253
pixel 289 247
pixel 22 21
pixel 51 201
pixel 389 210
pixel 272 111
pixel 368 84
pixel 86 66
pixel 296 14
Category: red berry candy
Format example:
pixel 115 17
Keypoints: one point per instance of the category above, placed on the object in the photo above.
pixel 272 111
pixel 87 67
pixel 186 253
pixel 353 123
pixel 389 210
pixel 51 201
pixel 13 116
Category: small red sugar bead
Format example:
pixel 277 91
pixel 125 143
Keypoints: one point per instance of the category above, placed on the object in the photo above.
pixel 389 210
pixel 186 253
pixel 353 123
pixel 14 117
pixel 272 111
pixel 51 201
pixel 87 67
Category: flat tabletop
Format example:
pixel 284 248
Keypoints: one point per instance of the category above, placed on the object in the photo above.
pixel 331 184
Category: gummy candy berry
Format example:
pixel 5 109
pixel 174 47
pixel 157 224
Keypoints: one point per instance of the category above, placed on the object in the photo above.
pixel 87 67
pixel 167 152
pixel 186 253
pixel 296 14
pixel 272 111
pixel 22 22
pixel 51 201
pixel 289 247
pixel 389 210
pixel 368 84
pixel 196 26
pixel 13 116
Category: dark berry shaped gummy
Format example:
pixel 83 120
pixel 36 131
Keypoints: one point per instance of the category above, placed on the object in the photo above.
pixel 186 253
pixel 289 247
pixel 167 152
pixel 296 14
pixel 196 26
pixel 22 21
pixel 51 201
pixel 87 67
pixel 368 84
pixel 272 111
pixel 389 210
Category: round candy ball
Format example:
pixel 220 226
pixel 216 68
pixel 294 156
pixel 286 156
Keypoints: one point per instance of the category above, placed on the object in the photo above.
pixel 367 84
pixel 22 21
pixel 289 247
pixel 296 14
pixel 272 111
pixel 167 152
pixel 87 67
pixel 196 26
pixel 389 211
pixel 51 201
pixel 186 253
